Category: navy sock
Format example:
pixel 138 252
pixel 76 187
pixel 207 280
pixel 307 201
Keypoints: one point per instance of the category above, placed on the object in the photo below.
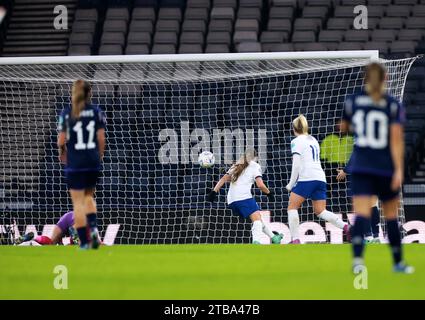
pixel 357 235
pixel 394 238
pixel 82 234
pixel 91 221
pixel 374 223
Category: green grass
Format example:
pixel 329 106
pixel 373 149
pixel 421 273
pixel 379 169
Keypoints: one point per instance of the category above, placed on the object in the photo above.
pixel 207 272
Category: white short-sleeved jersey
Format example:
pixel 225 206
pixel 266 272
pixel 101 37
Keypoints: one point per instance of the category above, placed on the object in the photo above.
pixel 241 189
pixel 309 150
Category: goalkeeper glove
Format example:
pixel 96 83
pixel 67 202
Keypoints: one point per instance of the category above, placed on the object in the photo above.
pixel 270 195
pixel 212 196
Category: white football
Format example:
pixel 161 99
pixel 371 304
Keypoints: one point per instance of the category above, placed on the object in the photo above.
pixel 206 159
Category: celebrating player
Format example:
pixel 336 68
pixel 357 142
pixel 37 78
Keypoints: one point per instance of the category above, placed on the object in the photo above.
pixel 81 144
pixel 376 119
pixel 372 232
pixel 242 176
pixel 64 228
pixel 307 180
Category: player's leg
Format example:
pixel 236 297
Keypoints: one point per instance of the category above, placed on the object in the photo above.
pixel 390 208
pixel 57 235
pixel 80 219
pixel 258 224
pixel 362 209
pixel 295 202
pixel 375 220
pixel 91 212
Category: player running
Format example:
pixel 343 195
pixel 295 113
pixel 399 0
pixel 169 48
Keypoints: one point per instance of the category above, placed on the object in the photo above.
pixel 376 120
pixel 81 143
pixel 372 232
pixel 308 180
pixel 242 176
pixel 64 228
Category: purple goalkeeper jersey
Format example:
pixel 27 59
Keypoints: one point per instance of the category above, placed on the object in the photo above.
pixel 66 221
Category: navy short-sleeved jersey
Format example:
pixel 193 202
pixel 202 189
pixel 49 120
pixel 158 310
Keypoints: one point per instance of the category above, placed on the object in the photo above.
pixel 81 138
pixel 371 127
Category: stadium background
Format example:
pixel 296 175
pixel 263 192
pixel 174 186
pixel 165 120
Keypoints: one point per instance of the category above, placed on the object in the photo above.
pixel 396 29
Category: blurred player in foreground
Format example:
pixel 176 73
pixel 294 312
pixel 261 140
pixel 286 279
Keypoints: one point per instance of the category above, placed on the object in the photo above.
pixel 242 176
pixel 81 143
pixel 64 228
pixel 372 232
pixel 376 120
pixel 308 180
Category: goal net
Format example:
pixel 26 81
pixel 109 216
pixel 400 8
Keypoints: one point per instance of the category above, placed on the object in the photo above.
pixel 162 111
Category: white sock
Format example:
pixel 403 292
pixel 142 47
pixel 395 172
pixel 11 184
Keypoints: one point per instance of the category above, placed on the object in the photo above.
pixel 332 218
pixel 257 230
pixel 294 223
pixel 266 230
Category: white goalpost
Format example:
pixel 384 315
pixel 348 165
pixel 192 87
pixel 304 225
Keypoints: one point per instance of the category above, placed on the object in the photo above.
pixel 162 111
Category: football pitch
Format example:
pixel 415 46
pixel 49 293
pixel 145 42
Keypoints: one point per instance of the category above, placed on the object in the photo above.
pixel 206 272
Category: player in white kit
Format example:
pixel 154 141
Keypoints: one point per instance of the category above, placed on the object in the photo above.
pixel 308 180
pixel 242 176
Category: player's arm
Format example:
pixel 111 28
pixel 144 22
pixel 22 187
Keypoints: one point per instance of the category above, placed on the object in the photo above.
pixel 223 180
pixel 397 153
pixel 344 125
pixel 62 146
pixel 262 186
pixel 296 166
pixel 101 140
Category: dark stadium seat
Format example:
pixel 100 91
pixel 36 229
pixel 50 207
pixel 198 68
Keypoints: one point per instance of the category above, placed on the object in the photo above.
pixel 249 13
pixel 141 26
pixel 383 35
pixel 170 14
pixel 315 12
pixel 383 47
pixel 84 26
pixel 194 26
pixel 113 38
pixel 110 49
pixel 391 23
pixel 405 2
pixel 167 26
pixel 137 49
pixel 303 36
pixel 190 48
pixel 321 3
pixel 251 3
pixel 407 47
pixel 344 12
pixel 165 38
pixel 331 35
pixel 357 35
pixel 198 3
pixel 115 26
pixel 247 25
pixel 248 47
pixel 415 23
pixel 281 13
pixel 279 25
pixel 398 11
pixel 418 10
pixel 306 24
pixel 225 3
pixel 222 13
pixel 85 38
pixel 143 14
pixel 86 15
pixel 339 23
pixel 196 14
pixel 285 3
pixel 410 35
pixel 217 48
pixel 117 14
pixel 136 37
pixel 244 36
pixel 351 46
pixel 220 25
pixel 379 2
pixel 192 38
pixel 163 49
pixel 219 38
pixel 310 46
pixel 273 37
pixel 79 50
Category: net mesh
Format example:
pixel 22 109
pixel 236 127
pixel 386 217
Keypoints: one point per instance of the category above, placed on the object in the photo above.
pixel 160 116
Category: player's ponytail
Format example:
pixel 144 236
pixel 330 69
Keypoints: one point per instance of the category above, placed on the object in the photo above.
pixel 81 94
pixel 242 164
pixel 300 125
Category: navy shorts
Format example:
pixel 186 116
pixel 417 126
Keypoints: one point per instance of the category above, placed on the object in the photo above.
pixel 82 180
pixel 245 207
pixel 363 184
pixel 314 190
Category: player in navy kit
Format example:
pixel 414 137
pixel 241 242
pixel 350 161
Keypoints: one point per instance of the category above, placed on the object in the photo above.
pixel 376 120
pixel 81 143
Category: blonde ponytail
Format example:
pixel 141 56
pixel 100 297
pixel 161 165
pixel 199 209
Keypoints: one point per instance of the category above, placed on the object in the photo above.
pixel 238 168
pixel 300 124
pixel 81 91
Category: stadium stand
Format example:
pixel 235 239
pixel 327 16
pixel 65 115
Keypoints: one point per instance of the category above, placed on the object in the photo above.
pixel 396 28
